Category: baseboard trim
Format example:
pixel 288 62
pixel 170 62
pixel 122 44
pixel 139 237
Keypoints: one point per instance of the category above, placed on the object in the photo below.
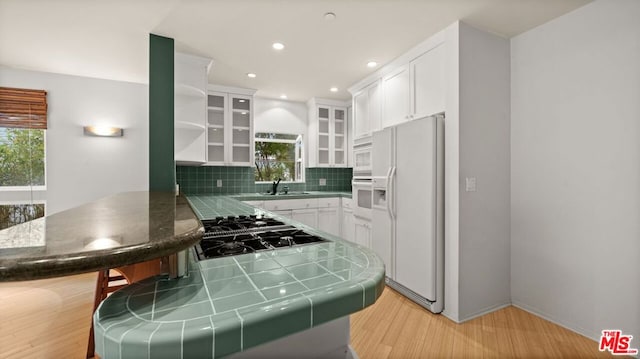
pixel 574 328
pixel 484 311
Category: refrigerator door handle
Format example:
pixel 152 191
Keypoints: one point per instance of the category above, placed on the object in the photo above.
pixel 390 190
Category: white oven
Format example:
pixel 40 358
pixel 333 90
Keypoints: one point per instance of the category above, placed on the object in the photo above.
pixel 362 192
pixel 362 160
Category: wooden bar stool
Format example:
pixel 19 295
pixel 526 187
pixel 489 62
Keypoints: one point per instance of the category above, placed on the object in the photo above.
pixel 110 280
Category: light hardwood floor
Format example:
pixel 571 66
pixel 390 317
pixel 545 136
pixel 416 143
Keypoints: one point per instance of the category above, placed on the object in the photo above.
pixel 50 319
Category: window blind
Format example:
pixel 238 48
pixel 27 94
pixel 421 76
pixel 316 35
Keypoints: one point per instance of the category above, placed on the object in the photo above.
pixel 23 108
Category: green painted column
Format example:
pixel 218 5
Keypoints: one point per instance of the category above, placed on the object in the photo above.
pixel 162 167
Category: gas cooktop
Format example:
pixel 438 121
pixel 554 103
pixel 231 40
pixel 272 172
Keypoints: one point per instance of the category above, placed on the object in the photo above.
pixel 227 236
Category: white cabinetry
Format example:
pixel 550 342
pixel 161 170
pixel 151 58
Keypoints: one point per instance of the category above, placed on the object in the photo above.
pixel 396 103
pixel 321 213
pixel 409 89
pixel 327 133
pixel 230 128
pixel 305 216
pixel 367 111
pixel 362 231
pixel 190 100
pixel 329 215
pixel 428 83
pixel 347 225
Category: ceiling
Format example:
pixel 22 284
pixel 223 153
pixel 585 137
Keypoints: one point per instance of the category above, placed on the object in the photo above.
pixel 109 38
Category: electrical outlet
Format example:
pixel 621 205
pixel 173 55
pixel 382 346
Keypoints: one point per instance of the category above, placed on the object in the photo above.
pixel 470 184
pixel 219 183
pixel 323 181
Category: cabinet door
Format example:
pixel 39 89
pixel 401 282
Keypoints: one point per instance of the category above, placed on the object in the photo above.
pixel 305 216
pixel 348 227
pixel 216 134
pixel 324 114
pixel 329 220
pixel 395 104
pixel 361 126
pixel 339 132
pixel 428 83
pixel 283 213
pixel 240 121
pixel 374 106
pixel 362 232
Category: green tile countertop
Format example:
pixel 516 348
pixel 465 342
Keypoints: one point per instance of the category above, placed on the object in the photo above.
pixel 291 195
pixel 230 304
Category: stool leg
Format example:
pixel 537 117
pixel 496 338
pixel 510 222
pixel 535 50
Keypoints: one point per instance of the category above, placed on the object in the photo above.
pixel 101 285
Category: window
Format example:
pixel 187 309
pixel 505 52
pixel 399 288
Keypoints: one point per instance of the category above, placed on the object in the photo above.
pixel 279 155
pixel 23 121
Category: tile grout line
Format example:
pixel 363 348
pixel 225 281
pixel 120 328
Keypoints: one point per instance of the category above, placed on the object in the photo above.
pixel 184 323
pixel 122 338
pixel 149 343
pixel 153 304
pixel 241 330
pixel 213 338
pixel 250 280
pixel 206 288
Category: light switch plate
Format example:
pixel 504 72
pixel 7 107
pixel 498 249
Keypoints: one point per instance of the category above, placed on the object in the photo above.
pixel 219 183
pixel 323 181
pixel 470 184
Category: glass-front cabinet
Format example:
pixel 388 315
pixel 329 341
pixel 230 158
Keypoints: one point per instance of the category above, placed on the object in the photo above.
pixel 332 125
pixel 229 129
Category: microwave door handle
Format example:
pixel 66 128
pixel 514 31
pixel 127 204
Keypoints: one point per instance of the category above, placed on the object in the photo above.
pixel 390 193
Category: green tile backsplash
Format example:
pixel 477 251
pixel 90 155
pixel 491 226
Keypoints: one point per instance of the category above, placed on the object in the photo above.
pixel 203 180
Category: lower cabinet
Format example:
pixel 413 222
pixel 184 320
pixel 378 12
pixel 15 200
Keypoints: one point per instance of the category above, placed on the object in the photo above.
pixel 329 220
pixel 362 231
pixel 348 226
pixel 305 216
pixel 324 214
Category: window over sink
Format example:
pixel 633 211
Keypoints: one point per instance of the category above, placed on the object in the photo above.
pixel 279 155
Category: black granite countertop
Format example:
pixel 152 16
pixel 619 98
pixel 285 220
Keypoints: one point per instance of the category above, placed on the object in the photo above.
pixel 114 231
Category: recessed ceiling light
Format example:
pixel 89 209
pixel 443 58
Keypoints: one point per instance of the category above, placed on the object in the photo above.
pixel 329 16
pixel 372 64
pixel 283 96
pixel 333 89
pixel 277 46
pixel 251 74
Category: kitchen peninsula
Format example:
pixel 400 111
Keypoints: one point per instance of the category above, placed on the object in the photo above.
pixel 286 302
pixel 111 232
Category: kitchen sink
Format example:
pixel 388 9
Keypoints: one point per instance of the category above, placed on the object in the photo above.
pixel 286 194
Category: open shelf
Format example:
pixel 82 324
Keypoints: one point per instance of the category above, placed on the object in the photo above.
pixel 189 91
pixel 183 125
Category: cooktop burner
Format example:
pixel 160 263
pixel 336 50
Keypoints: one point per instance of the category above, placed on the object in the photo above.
pixel 227 236
pixel 221 225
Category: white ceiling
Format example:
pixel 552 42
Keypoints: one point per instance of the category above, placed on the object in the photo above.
pixel 109 38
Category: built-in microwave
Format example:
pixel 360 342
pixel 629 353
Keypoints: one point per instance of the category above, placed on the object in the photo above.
pixel 362 160
pixel 362 192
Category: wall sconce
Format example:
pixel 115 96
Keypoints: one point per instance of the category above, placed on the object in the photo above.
pixel 103 131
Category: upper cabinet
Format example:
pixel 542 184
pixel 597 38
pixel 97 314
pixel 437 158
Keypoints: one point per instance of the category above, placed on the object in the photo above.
pixel 229 127
pixel 327 133
pixel 427 73
pixel 190 111
pixel 367 111
pixel 403 92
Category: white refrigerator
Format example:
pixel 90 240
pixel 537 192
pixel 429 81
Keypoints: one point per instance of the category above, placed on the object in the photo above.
pixel 408 208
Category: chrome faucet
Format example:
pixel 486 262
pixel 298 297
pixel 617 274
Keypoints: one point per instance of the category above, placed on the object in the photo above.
pixel 275 186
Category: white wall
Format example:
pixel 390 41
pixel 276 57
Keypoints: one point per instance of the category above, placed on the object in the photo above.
pixel 279 116
pixel 82 168
pixel 484 255
pixel 575 169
